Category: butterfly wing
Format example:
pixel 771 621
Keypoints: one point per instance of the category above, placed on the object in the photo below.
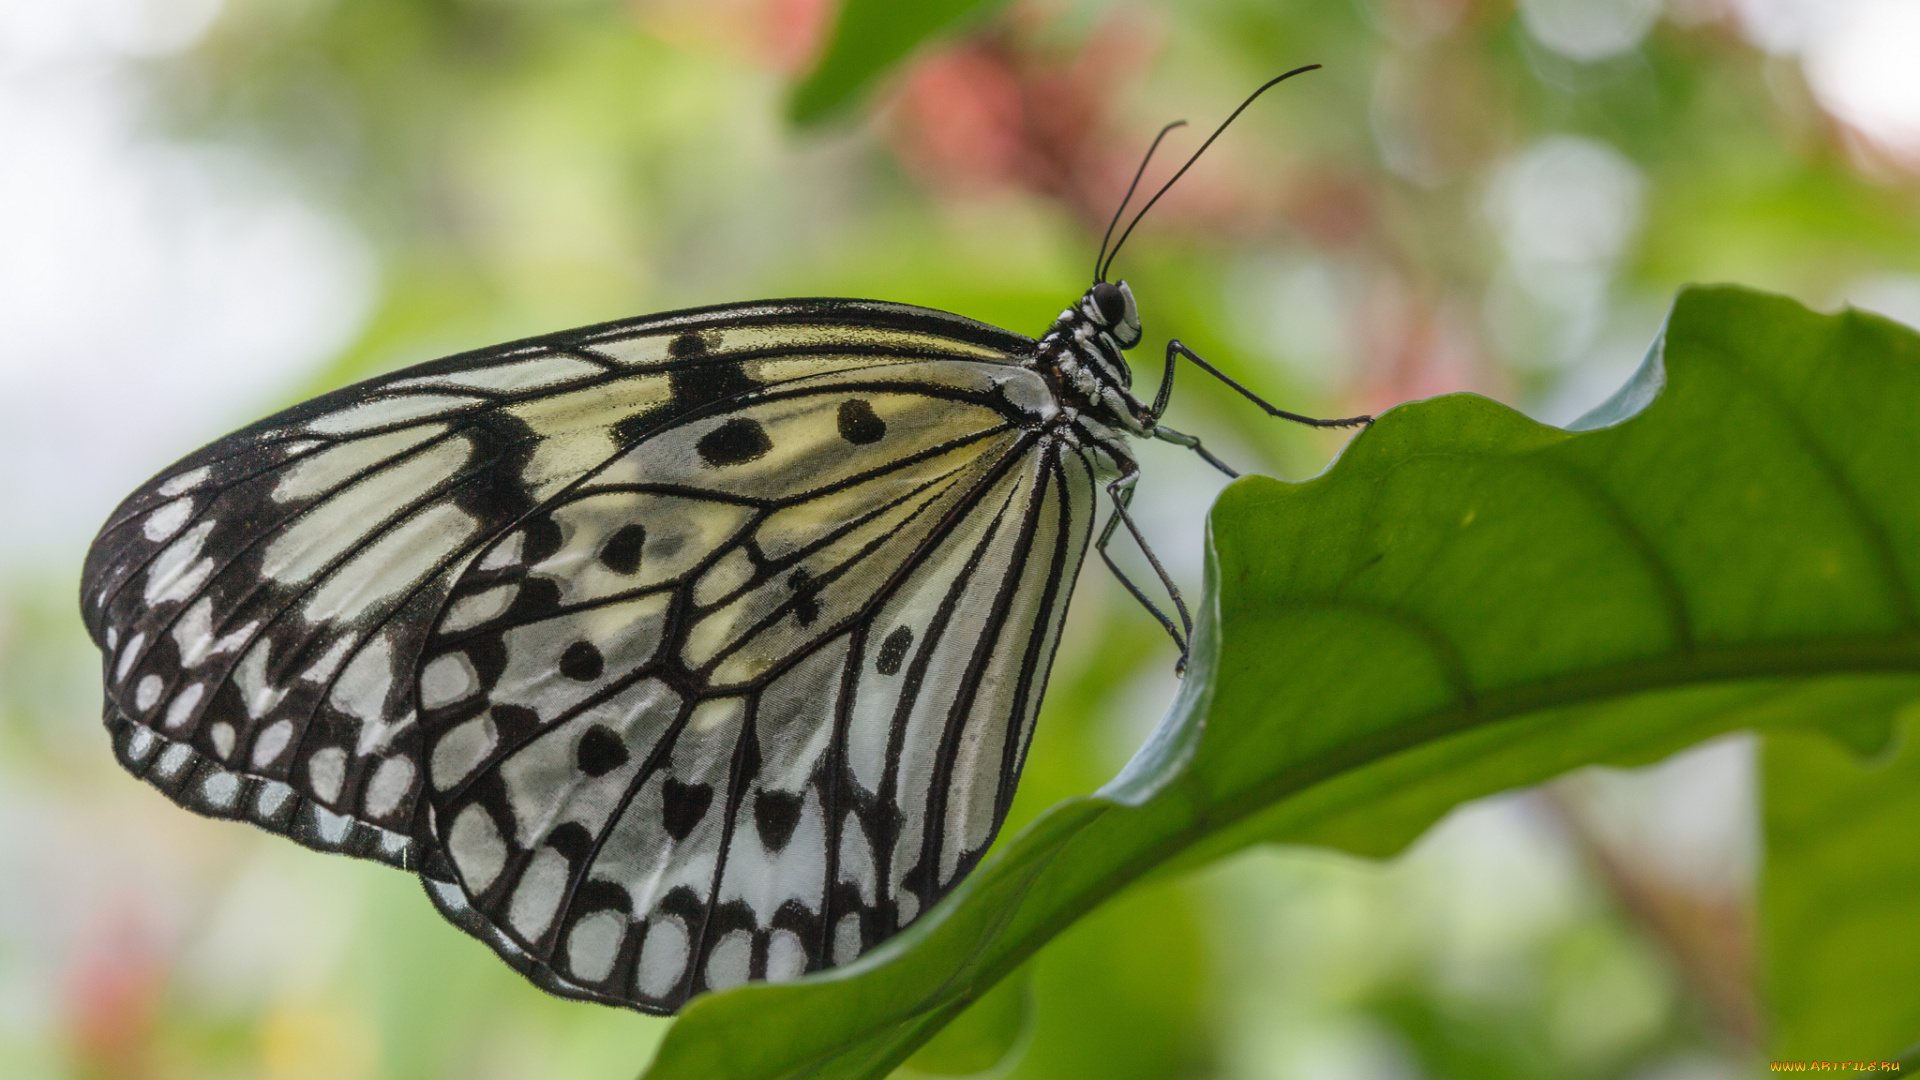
pixel 262 604
pixel 746 700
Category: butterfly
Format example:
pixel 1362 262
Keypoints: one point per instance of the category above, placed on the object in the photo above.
pixel 670 653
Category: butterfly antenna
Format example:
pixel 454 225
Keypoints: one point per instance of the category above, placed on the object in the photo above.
pixel 1101 270
pixel 1099 274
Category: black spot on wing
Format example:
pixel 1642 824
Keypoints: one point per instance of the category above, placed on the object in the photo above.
pixel 516 723
pixel 544 538
pixel 582 661
pixel 682 806
pixel 859 424
pixel 893 651
pixel 600 751
pixel 915 879
pixel 538 598
pixel 705 383
pixel 735 442
pixel 593 896
pixel 572 839
pixel 687 345
pixel 775 813
pixel 621 553
pixel 701 382
pixel 806 604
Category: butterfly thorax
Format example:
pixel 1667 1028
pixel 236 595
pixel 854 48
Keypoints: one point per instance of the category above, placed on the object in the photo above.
pixel 1083 356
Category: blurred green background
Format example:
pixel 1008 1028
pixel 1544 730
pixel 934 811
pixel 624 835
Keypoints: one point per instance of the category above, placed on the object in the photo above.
pixel 213 209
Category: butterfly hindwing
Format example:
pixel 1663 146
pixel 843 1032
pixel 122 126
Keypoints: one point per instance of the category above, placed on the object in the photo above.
pixel 261 605
pixel 744 700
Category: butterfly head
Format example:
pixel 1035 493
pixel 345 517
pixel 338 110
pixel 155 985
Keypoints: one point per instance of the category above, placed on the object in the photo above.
pixel 1085 352
pixel 1110 307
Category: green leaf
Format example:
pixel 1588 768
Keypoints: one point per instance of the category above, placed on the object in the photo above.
pixel 1839 924
pixel 871 36
pixel 983 1036
pixel 1467 601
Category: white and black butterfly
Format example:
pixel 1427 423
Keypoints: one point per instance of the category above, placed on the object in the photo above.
pixel 671 653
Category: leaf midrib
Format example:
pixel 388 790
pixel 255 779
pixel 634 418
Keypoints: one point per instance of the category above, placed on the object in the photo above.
pixel 1703 665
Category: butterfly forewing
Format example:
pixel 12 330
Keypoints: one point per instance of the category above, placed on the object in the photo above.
pixel 261 605
pixel 746 699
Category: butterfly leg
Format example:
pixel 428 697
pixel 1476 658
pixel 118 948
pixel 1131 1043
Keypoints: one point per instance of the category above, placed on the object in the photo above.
pixel 1191 442
pixel 1175 350
pixel 1121 492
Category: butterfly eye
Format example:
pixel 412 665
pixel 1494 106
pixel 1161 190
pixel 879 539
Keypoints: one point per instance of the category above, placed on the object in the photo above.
pixel 1112 305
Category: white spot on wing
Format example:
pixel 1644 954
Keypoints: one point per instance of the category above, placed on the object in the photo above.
pixel 128 655
pixel 194 635
pixel 646 349
pixel 183 703
pixel 361 691
pixel 223 737
pixel 537 897
pixel 167 520
pixel 728 963
pixel 331 826
pixel 250 678
pixel 175 575
pixel 446 679
pixel 140 743
pixel 220 789
pixel 505 553
pixel 716 714
pixel 593 943
pixel 398 559
pixel 471 611
pixel 173 759
pixel 317 473
pixel 327 772
pixel 329 662
pixel 389 784
pixel 271 742
pixel 663 958
pixel 476 847
pixel 519 375
pixel 377 737
pixel 461 750
pixel 272 798
pixel 732 572
pixel 147 693
pixel 846 939
pixel 786 956
pixel 383 411
pixel 335 525
pixel 186 481
pixel 856 858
